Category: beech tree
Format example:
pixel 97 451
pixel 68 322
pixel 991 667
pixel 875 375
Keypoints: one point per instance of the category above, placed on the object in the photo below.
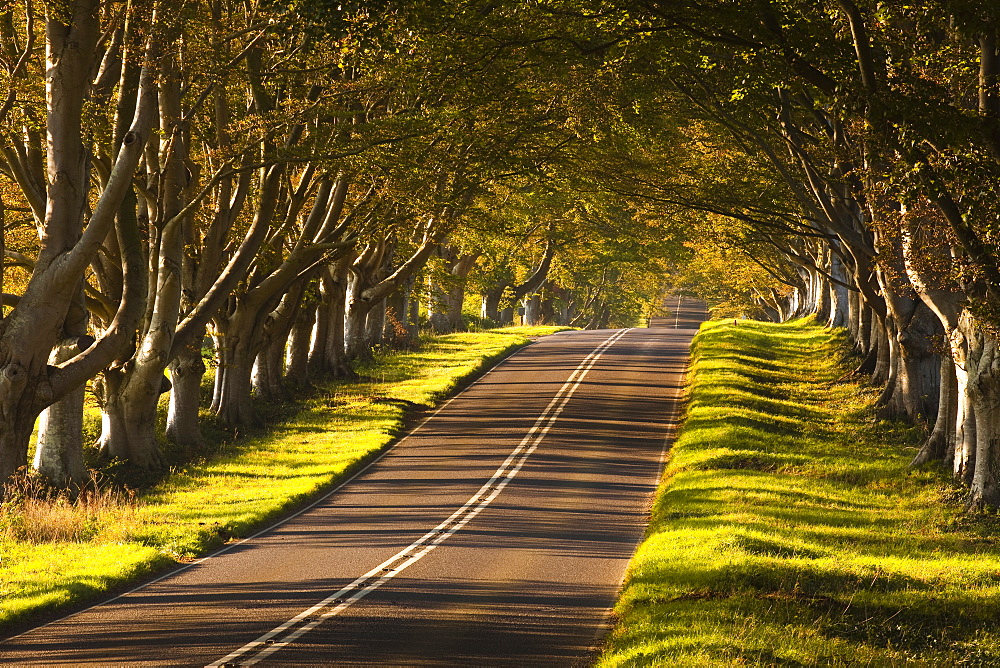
pixel 71 228
pixel 861 115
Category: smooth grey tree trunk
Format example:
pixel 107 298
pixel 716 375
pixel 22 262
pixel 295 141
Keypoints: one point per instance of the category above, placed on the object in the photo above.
pixel 128 418
pixel 413 308
pixel 940 444
pixel 183 420
pixel 927 261
pixel 268 371
pixel 824 303
pixel 984 389
pixel 840 296
pixel 299 339
pixel 375 324
pixel 59 445
pixel 881 349
pixel 234 387
pixel 333 354
pixel 854 305
pixel 533 310
pixel 964 460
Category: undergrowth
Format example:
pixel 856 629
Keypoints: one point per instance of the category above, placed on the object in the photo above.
pixel 99 512
pixel 788 529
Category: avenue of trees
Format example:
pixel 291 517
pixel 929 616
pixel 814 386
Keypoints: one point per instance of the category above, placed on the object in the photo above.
pixel 841 159
pixel 291 182
pixel 300 181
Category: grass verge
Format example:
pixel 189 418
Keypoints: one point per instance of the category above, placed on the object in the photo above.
pixel 248 484
pixel 788 530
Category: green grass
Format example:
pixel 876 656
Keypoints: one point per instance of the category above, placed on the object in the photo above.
pixel 789 532
pixel 250 482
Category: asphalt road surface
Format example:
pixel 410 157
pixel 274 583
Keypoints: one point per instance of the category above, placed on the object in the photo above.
pixel 497 533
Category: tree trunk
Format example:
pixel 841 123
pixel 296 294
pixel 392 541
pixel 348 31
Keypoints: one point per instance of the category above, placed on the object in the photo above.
pixel 183 420
pixel 892 367
pixel 322 325
pixel 334 353
pixel 964 457
pixel 491 305
pixel 455 297
pixel 941 440
pixel 34 326
pixel 840 296
pixel 236 357
pixel 547 309
pixel 881 348
pixel 918 376
pixel 59 446
pixel 437 305
pixel 131 398
pixel 866 321
pixel 824 305
pixel 220 371
pixel 268 369
pixel 297 362
pixel 916 331
pixel 533 310
pixel 413 308
pixel 356 344
pixel 375 324
pixel 928 261
pixel 984 390
pixel 396 333
pixel 128 417
pixel 854 306
pixel 456 300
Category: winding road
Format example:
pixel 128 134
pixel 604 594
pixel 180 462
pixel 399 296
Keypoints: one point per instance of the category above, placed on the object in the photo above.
pixel 496 533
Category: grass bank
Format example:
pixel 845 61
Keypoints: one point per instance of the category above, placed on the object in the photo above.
pixel 246 485
pixel 788 530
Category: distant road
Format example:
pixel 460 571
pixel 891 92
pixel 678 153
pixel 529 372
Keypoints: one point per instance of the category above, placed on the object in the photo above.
pixel 496 534
pixel 682 314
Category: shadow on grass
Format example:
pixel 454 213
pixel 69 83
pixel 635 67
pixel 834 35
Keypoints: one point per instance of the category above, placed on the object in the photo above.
pixel 790 532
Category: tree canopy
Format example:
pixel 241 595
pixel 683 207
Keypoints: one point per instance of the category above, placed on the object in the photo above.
pixel 301 180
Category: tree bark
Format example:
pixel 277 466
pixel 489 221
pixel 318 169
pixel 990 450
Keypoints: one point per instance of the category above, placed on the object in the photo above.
pixel 59 445
pixel 183 420
pixel 854 319
pixel 327 356
pixel 128 418
pixel 880 347
pixel 397 331
pixel 30 331
pixel 268 372
pixel 840 296
pixel 131 434
pixel 297 361
pixel 237 351
pixel 533 310
pixel 942 438
pixel 491 305
pixel 964 456
pixel 984 390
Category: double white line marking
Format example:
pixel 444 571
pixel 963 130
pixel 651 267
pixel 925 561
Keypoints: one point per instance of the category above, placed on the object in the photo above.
pixel 305 621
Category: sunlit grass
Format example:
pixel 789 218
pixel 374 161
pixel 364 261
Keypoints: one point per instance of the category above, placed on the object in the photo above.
pixel 33 513
pixel 788 530
pixel 251 482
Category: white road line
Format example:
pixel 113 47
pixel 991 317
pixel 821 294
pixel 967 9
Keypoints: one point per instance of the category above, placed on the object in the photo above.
pixel 677 311
pixel 226 548
pixel 336 603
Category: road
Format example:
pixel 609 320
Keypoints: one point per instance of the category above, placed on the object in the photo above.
pixel 497 533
